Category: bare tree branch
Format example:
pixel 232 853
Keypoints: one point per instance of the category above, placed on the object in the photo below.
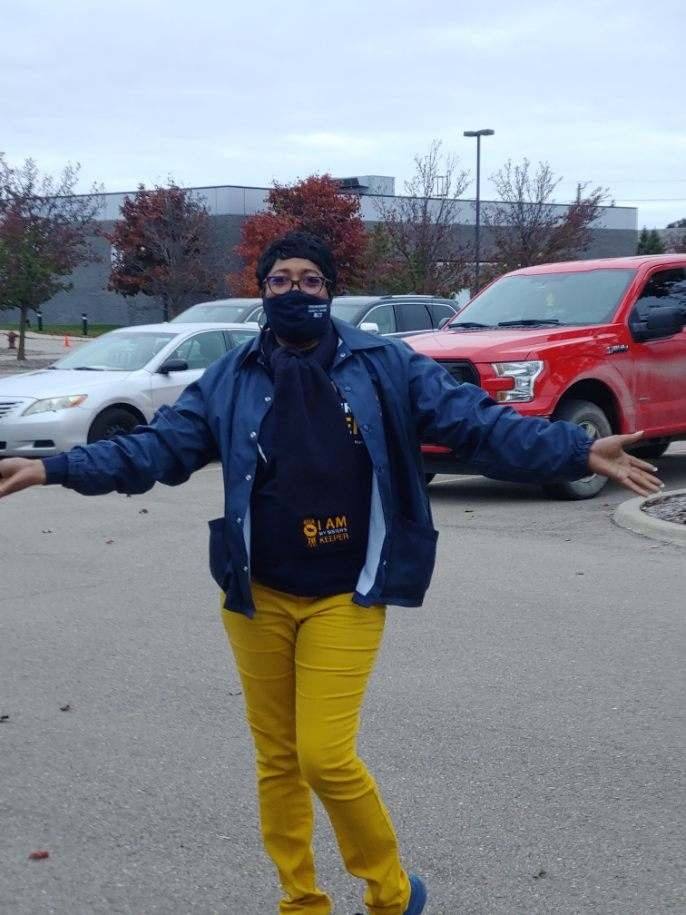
pixel 422 253
pixel 528 227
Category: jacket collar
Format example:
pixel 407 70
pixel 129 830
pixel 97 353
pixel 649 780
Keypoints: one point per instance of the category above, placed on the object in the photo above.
pixel 352 337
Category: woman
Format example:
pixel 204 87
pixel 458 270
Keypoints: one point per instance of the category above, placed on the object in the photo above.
pixel 327 521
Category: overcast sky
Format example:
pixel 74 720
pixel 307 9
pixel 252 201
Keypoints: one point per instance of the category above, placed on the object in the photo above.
pixel 248 91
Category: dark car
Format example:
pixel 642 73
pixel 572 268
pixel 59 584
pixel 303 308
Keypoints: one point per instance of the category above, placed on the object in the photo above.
pixel 221 311
pixel 394 314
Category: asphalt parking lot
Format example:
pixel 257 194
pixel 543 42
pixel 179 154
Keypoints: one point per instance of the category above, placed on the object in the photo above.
pixel 526 725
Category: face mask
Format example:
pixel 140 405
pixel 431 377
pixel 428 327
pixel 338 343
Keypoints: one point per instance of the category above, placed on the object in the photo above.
pixel 296 316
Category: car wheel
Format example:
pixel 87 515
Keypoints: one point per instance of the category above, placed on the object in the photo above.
pixel 111 422
pixel 650 450
pixel 595 424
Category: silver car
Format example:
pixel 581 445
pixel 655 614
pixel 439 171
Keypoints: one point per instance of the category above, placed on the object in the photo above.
pixel 109 386
pixel 232 310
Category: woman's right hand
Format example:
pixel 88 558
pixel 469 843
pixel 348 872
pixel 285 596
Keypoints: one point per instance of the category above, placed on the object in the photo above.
pixel 20 473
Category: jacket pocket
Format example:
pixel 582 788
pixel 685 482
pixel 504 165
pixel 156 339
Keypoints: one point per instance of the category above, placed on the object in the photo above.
pixel 411 559
pixel 220 560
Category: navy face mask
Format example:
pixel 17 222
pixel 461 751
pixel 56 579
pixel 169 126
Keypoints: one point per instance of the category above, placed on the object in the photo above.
pixel 296 316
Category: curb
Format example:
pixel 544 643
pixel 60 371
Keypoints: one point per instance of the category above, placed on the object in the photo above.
pixel 629 516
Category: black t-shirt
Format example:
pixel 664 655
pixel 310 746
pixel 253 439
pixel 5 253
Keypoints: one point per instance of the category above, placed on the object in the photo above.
pixel 299 552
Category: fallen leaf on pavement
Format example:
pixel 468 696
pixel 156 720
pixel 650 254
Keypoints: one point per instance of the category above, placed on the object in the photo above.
pixel 65 708
pixel 4 717
pixel 39 855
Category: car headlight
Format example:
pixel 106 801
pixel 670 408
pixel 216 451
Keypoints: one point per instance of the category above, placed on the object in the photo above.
pixel 523 375
pixel 52 404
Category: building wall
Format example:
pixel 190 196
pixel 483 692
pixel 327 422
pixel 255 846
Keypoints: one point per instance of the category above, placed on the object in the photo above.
pixel 615 235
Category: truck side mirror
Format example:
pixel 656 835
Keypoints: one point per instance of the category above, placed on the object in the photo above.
pixel 657 323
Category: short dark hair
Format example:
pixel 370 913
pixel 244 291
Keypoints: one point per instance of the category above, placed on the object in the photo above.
pixel 298 244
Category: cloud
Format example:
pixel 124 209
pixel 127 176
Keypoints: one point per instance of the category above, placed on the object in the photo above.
pixel 137 91
pixel 333 142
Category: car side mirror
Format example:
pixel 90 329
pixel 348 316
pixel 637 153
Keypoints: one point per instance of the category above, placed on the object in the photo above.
pixel 444 321
pixel 371 327
pixel 658 323
pixel 173 365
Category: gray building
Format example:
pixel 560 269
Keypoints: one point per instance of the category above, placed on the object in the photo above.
pixel 614 234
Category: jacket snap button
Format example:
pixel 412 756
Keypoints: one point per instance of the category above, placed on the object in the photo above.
pixel 253 435
pixel 245 568
pixel 248 476
pixel 267 399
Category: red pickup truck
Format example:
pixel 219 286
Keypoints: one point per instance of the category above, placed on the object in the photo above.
pixel 600 343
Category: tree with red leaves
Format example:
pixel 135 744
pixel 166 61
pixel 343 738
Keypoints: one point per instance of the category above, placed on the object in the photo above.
pixel 163 247
pixel 45 231
pixel 315 205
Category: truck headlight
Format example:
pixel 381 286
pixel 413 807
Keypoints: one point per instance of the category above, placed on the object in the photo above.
pixel 52 404
pixel 523 375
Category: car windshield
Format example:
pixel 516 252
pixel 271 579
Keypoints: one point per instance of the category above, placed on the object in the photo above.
pixel 580 297
pixel 210 314
pixel 119 351
pixel 347 309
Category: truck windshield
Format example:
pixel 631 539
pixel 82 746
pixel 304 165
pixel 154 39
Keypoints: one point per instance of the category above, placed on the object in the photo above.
pixel 580 297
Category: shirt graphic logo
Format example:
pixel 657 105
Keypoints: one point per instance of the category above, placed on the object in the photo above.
pixel 321 531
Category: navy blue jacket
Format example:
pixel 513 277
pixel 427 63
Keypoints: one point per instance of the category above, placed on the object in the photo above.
pixel 399 398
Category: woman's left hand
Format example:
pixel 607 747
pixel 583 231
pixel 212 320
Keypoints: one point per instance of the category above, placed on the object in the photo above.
pixel 608 458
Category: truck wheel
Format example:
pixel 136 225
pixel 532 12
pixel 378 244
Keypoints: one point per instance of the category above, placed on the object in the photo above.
pixel 650 450
pixel 111 422
pixel 595 424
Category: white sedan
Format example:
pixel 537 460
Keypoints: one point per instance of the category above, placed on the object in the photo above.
pixel 109 386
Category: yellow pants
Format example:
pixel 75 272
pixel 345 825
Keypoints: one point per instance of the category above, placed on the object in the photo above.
pixel 304 665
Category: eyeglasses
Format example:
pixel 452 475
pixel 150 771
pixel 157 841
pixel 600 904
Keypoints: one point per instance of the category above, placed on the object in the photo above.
pixel 311 283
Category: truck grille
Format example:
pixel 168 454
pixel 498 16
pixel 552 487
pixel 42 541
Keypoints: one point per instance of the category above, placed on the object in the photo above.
pixel 461 370
pixel 6 406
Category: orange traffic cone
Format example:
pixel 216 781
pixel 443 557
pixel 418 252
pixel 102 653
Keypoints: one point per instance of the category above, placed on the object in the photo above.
pixel 67 344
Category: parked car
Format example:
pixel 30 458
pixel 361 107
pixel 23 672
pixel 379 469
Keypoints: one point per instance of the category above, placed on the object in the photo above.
pixel 109 386
pixel 600 343
pixel 389 314
pixel 394 314
pixel 223 310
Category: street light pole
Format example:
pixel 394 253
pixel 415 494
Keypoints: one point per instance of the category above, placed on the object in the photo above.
pixel 477 235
